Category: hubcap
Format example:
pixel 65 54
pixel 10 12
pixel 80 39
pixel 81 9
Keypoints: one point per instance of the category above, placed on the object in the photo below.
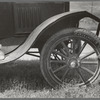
pixel 73 63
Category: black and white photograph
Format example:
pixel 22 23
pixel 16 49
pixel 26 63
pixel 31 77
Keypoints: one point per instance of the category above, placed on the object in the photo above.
pixel 49 49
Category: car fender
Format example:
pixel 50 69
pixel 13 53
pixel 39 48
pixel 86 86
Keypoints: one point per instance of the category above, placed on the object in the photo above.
pixel 23 48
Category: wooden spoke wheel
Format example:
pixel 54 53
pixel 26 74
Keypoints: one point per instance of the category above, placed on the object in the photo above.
pixel 71 57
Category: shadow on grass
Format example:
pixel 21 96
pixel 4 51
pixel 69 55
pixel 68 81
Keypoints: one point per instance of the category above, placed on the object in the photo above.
pixel 25 73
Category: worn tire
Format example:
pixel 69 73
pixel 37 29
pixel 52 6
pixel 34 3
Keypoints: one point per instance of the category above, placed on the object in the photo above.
pixel 48 48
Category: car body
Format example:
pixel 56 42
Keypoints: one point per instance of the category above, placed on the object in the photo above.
pixel 35 24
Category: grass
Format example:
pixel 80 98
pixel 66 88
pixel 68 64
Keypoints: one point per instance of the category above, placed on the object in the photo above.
pixel 64 92
pixel 23 79
pixel 22 72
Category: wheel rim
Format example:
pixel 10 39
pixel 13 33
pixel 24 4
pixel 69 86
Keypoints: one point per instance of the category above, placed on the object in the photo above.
pixel 67 65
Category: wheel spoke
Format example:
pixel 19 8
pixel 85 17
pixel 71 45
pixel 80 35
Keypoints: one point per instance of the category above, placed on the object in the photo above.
pixel 80 75
pixel 59 53
pixel 58 61
pixel 66 48
pixel 87 55
pixel 58 69
pixel 62 51
pixel 72 76
pixel 66 72
pixel 86 69
pixel 94 63
pixel 82 48
pixel 73 45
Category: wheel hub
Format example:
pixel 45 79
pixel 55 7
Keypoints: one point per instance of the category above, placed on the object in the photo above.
pixel 73 63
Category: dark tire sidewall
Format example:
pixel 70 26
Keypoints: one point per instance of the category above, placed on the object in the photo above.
pixel 82 33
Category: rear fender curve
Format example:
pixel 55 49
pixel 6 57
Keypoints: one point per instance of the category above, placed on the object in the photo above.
pixel 70 20
pixel 22 49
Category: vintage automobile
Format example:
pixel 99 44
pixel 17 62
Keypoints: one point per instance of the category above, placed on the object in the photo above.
pixel 54 30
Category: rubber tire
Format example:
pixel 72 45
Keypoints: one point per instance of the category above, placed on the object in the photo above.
pixel 66 32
